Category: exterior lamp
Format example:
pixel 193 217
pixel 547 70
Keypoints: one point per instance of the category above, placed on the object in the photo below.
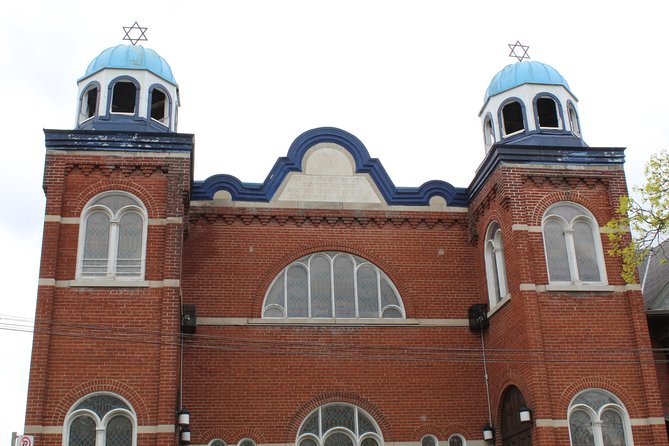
pixel 183 417
pixel 185 436
pixel 525 414
pixel 488 433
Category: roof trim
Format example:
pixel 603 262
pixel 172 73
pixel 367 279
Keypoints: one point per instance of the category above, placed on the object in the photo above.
pixel 292 162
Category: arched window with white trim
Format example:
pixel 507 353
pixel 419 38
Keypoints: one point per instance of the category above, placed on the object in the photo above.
pixel 456 440
pixel 88 105
pixel 100 420
pixel 598 418
pixel 332 285
pixel 488 133
pixel 573 119
pixel 572 245
pixel 429 440
pixel 339 424
pixel 498 289
pixel 112 238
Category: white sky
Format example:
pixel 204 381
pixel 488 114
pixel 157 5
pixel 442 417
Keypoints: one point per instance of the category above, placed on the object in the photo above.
pixel 407 78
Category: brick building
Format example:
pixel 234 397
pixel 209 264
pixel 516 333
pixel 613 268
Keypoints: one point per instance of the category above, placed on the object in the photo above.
pixel 325 306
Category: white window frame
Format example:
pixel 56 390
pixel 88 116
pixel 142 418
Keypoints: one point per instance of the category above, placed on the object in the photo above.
pixel 488 133
pixel 572 116
pixel 595 417
pixel 100 423
pixel 460 437
pixel 433 437
pixel 568 230
pixel 495 265
pixel 557 113
pixel 332 256
pixel 83 103
pixel 114 220
pixel 322 436
pixel 214 440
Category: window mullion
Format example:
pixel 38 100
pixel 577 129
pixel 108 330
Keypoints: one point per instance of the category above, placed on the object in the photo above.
pixel 571 254
pixel 332 289
pixel 285 291
pixel 309 286
pixel 355 287
pixel 378 291
pixel 113 248
pixel 100 436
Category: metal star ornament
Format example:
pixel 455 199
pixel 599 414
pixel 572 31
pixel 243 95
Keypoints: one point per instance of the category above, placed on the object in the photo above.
pixel 134 33
pixel 523 49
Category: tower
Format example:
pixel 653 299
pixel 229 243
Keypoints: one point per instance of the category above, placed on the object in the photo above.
pixel 539 203
pixel 105 362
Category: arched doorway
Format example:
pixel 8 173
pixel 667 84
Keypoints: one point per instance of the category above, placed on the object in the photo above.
pixel 514 433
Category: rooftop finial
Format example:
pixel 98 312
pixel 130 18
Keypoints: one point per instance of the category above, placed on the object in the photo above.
pixel 524 49
pixel 138 33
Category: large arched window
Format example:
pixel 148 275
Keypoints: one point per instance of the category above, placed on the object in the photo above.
pixel 339 425
pixel 112 238
pixel 547 113
pixel 488 133
pixel 598 418
pixel 512 118
pixel 100 420
pixel 332 285
pixel 124 97
pixel 88 105
pixel 495 265
pixel 573 246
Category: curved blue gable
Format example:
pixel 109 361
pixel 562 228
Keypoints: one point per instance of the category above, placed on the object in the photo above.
pixel 263 192
pixel 131 57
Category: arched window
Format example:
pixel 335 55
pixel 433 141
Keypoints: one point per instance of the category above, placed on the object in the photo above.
pixel 332 285
pixel 89 103
pixel 112 237
pixel 339 425
pixel 456 440
pixel 573 246
pixel 429 440
pixel 216 442
pixel 100 420
pixel 596 418
pixel 495 265
pixel 124 97
pixel 159 106
pixel 246 442
pixel 573 120
pixel 547 113
pixel 488 133
pixel 512 118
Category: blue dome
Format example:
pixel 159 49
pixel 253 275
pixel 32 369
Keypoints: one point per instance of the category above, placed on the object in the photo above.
pixel 526 72
pixel 131 57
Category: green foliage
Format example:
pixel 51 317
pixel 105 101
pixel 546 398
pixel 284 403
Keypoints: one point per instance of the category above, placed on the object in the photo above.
pixel 648 218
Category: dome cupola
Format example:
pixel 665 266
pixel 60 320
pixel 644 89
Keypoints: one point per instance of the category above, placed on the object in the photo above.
pixel 530 103
pixel 128 87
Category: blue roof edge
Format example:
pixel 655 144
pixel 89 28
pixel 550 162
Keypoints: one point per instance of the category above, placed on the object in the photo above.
pixel 292 162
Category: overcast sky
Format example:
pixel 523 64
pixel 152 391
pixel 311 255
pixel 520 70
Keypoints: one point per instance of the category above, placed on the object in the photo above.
pixel 407 78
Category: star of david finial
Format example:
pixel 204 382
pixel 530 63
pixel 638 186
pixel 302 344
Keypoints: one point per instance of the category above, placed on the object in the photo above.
pixel 523 50
pixel 134 33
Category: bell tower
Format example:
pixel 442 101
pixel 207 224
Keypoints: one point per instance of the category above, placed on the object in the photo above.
pixel 105 360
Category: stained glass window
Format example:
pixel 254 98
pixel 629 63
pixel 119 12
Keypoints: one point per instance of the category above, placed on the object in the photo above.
pixel 339 425
pixel 332 284
pixel 572 244
pixel 100 420
pixel 113 232
pixel 598 418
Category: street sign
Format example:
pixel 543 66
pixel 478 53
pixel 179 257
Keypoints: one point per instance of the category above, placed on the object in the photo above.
pixel 25 440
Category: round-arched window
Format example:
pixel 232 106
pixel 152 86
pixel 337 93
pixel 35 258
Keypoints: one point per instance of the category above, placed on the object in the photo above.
pixel 597 417
pixel 332 285
pixel 339 424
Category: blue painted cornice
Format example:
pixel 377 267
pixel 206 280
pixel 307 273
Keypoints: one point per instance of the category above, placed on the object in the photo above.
pixel 263 192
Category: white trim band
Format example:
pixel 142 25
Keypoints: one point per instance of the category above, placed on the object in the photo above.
pixel 159 429
pixel 77 220
pixel 101 283
pixel 333 321
pixel 579 287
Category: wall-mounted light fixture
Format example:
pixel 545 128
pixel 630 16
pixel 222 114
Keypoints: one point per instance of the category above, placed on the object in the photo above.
pixel 183 420
pixel 488 433
pixel 525 414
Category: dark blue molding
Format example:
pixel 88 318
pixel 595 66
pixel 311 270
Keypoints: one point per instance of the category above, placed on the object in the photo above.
pixel 263 192
pixel 543 154
pixel 96 140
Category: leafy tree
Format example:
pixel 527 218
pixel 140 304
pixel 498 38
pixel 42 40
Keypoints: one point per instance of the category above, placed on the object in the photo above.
pixel 648 218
